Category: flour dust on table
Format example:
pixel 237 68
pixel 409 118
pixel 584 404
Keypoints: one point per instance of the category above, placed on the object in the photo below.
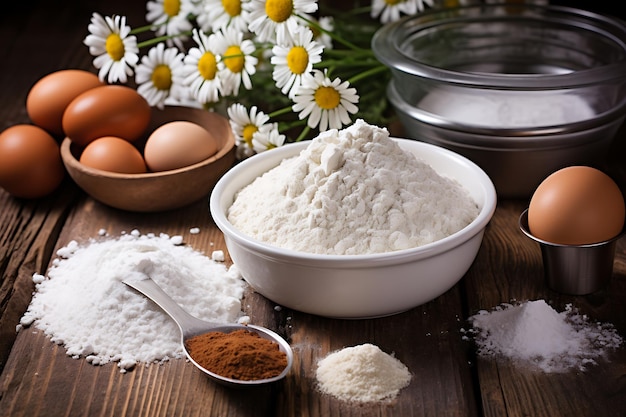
pixel 83 305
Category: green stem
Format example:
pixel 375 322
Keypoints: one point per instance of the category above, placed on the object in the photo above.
pixel 284 126
pixel 346 63
pixel 158 39
pixel 368 73
pixel 325 9
pixel 279 112
pixel 141 29
pixel 339 39
pixel 351 53
pixel 303 134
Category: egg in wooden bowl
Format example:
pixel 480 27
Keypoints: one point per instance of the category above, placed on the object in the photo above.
pixel 171 186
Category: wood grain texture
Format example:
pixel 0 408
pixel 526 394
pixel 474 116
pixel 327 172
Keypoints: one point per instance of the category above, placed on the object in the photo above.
pixel 513 272
pixel 38 378
pixel 426 339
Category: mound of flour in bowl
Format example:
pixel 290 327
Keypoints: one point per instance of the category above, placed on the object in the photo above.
pixel 352 192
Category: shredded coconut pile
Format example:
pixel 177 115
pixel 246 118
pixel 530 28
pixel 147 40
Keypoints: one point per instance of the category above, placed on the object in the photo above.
pixel 362 373
pixel 352 192
pixel 535 334
pixel 83 304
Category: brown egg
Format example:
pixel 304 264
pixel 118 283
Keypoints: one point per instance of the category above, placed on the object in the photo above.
pixel 113 154
pixel 576 205
pixel 178 144
pixel 30 162
pixel 111 110
pixel 48 97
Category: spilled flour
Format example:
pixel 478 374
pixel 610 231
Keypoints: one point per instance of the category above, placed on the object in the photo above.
pixel 534 334
pixel 83 305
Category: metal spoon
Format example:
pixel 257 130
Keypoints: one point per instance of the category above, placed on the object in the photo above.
pixel 191 326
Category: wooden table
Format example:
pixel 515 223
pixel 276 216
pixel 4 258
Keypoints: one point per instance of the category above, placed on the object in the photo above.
pixel 39 379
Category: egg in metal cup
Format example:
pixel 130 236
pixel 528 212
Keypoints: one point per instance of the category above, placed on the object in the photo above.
pixel 575 269
pixel 576 215
pixel 163 190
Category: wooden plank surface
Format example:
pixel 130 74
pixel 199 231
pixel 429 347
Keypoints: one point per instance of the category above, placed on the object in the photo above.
pixel 39 379
pixel 509 268
pixel 426 339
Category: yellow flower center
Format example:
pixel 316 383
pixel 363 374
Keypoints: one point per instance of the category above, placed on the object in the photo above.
pixel 207 66
pixel 327 98
pixel 279 10
pixel 394 2
pixel 232 7
pixel 297 59
pixel 248 131
pixel 162 77
pixel 171 7
pixel 233 59
pixel 115 47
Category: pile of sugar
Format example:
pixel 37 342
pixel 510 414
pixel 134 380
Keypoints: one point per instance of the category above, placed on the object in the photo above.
pixel 362 373
pixel 507 110
pixel 534 334
pixel 83 304
pixel 352 192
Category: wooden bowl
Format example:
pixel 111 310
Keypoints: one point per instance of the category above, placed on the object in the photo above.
pixel 158 191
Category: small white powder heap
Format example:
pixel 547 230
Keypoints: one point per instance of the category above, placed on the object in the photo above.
pixel 507 110
pixel 84 305
pixel 362 373
pixel 535 334
pixel 352 192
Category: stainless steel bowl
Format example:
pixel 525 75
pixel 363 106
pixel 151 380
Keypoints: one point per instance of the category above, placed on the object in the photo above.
pixel 522 90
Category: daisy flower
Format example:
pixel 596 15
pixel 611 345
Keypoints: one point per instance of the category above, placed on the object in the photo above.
pixel 115 52
pixel 325 102
pixel 328 24
pixel 157 74
pixel 245 124
pixel 170 18
pixel 272 19
pixel 200 72
pixel 421 4
pixel 220 14
pixel 294 58
pixel 237 63
pixel 390 11
pixel 267 138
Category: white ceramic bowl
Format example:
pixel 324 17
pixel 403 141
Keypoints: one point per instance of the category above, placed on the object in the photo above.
pixel 355 286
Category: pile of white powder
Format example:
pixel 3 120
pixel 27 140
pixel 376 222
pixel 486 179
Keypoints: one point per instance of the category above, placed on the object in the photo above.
pixel 362 373
pixel 534 334
pixel 83 304
pixel 507 110
pixel 352 192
